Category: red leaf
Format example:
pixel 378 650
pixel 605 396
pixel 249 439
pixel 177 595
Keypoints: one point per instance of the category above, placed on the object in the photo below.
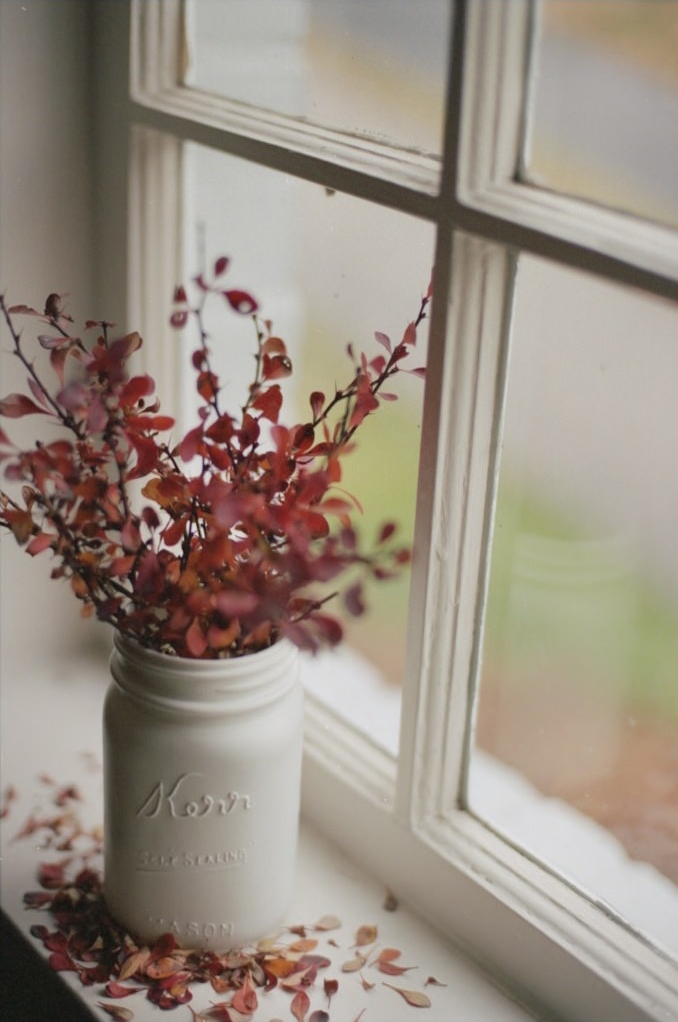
pixel 269 403
pixel 147 456
pixel 386 532
pixel 274 346
pixel 113 989
pixel 196 642
pixel 47 342
pixel 301 1002
pixel 353 600
pixel 20 522
pixel 179 319
pixel 317 402
pixel 150 577
pixel 276 367
pixel 192 444
pixel 410 335
pixel 245 1000
pixel 14 406
pixel 37 392
pixel 61 962
pixel 221 265
pixel 57 359
pixel 383 340
pixel 135 389
pixel 241 301
pixel 36 899
pixel 51 875
pixel 24 310
pixel 41 542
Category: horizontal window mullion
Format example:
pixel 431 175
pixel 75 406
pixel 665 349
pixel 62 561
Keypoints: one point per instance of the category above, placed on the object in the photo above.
pixel 569 233
pixel 346 163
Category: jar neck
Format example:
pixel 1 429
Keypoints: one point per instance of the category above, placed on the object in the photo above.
pixel 202 686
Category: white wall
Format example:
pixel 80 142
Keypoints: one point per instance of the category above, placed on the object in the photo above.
pixel 46 244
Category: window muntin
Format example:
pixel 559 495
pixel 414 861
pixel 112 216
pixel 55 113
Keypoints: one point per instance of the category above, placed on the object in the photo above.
pixel 580 652
pixel 355 65
pixel 605 104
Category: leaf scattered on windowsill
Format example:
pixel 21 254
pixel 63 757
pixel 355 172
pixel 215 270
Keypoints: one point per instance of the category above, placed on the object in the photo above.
pixel 165 973
pixel 366 935
pixel 116 1011
pixel 386 963
pixel 354 964
pixel 328 922
pixel 413 997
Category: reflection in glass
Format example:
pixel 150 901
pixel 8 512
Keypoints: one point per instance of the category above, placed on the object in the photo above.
pixel 579 686
pixel 327 269
pixel 357 65
pixel 606 104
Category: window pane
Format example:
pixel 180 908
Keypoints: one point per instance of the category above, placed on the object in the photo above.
pixel 356 65
pixel 579 689
pixel 606 104
pixel 327 269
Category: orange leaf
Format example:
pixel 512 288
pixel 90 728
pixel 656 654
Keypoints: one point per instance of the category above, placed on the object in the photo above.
pixel 304 945
pixel 366 935
pixel 134 963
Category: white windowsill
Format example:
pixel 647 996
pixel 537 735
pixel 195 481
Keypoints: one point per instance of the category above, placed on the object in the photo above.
pixel 51 724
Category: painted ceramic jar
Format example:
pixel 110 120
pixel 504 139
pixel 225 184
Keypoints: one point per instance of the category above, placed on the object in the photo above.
pixel 202 767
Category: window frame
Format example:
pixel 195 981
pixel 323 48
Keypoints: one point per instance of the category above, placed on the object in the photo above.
pixel 552 947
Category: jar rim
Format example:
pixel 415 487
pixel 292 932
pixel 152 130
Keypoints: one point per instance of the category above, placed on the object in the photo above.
pixel 153 676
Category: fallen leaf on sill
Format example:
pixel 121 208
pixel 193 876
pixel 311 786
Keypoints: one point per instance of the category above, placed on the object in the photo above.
pixel 327 923
pixel 113 989
pixel 354 964
pixel 432 981
pixel 330 986
pixel 304 945
pixel 385 963
pixel 366 935
pixel 134 963
pixel 413 997
pixel 116 1011
pixel 301 1002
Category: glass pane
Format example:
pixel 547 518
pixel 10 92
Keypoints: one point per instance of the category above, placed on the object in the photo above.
pixel 327 269
pixel 605 118
pixel 579 686
pixel 356 65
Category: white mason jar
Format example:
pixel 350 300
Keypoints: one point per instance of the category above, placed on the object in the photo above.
pixel 202 772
